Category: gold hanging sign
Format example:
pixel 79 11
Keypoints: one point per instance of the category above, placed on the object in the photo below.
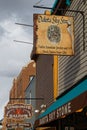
pixel 53 34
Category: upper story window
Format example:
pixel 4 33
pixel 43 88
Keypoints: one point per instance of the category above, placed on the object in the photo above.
pixel 31 77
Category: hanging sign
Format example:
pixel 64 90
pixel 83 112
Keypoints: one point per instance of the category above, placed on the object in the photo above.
pixel 53 34
pixel 13 125
pixel 18 111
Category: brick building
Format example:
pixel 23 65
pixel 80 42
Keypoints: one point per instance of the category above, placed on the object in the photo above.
pixel 18 91
pixel 21 82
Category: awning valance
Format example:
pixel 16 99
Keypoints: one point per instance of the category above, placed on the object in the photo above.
pixel 72 101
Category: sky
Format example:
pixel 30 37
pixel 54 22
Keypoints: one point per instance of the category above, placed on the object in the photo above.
pixel 15 55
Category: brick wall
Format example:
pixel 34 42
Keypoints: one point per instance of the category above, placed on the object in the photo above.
pixel 22 81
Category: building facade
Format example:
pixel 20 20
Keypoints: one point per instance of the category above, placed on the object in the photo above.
pixel 65 97
pixel 30 95
pixel 21 82
pixel 17 94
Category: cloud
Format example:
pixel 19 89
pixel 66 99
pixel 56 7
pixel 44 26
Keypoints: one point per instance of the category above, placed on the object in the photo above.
pixel 2 32
pixel 13 56
pixel 13 59
pixel 5 86
pixel 11 70
pixel 16 9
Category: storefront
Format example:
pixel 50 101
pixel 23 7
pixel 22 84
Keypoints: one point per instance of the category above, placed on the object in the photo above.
pixel 68 112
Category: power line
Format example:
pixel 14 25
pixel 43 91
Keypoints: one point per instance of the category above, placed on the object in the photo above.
pixel 26 98
pixel 23 42
pixel 38 2
pixel 24 24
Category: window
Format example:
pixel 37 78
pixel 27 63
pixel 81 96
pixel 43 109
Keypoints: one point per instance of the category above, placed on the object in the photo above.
pixel 31 77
